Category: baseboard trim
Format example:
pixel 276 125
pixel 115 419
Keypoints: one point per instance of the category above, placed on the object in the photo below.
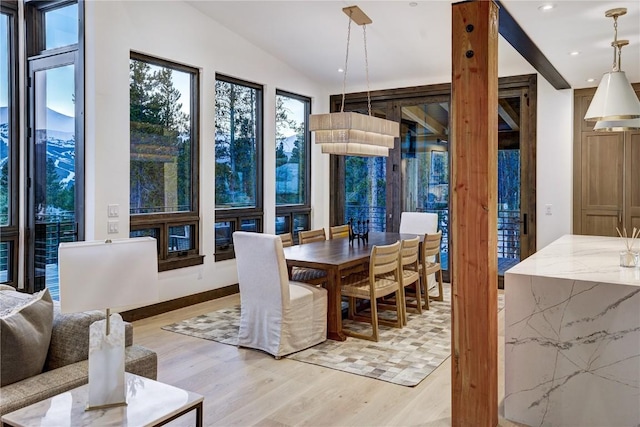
pixel 174 304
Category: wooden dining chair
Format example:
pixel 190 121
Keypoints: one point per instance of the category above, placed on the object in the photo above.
pixel 287 239
pixel 430 264
pixel 410 264
pixel 312 236
pixel 410 277
pixel 384 278
pixel 311 276
pixel 339 231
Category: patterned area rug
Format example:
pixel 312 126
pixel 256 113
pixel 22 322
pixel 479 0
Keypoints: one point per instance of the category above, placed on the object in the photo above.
pixel 401 356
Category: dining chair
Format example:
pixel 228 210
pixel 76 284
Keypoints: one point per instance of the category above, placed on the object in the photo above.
pixel 311 276
pixel 430 264
pixel 384 279
pixel 410 265
pixel 420 223
pixel 339 231
pixel 277 316
pixel 309 236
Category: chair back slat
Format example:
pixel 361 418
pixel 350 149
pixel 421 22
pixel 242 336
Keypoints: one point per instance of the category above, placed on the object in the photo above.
pixel 384 259
pixel 431 244
pixel 339 231
pixel 287 239
pixel 312 236
pixel 410 251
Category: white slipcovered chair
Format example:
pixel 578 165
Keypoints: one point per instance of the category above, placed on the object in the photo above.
pixel 421 223
pixel 277 316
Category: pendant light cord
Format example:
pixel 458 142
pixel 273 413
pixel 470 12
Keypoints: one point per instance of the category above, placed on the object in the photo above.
pixel 346 64
pixel 366 65
pixel 616 48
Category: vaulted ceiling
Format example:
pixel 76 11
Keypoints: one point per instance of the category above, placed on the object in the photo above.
pixel 409 42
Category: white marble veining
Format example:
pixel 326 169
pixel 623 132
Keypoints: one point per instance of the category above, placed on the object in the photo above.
pixel 572 336
pixel 149 403
pixel 106 362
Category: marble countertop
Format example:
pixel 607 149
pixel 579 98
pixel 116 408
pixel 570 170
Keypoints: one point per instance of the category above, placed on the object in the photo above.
pixel 585 258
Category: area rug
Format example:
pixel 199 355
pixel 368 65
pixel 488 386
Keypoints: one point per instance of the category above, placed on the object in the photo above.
pixel 401 356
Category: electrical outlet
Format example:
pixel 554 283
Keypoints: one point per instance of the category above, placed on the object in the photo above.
pixel 547 210
pixel 113 227
pixel 113 211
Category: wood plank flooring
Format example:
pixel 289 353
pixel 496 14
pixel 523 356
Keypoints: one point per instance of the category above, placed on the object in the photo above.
pixel 246 387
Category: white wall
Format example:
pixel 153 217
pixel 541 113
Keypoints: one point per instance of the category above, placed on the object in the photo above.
pixel 112 30
pixel 554 163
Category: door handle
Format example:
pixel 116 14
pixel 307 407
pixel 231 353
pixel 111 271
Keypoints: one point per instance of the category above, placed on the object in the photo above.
pixel 525 224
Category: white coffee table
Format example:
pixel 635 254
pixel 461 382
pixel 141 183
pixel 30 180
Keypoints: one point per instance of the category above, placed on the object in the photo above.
pixel 149 403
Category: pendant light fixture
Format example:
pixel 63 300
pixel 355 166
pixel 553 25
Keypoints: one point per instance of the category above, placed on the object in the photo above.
pixel 350 133
pixel 615 105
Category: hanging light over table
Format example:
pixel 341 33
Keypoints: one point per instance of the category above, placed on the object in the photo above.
pixel 615 105
pixel 350 133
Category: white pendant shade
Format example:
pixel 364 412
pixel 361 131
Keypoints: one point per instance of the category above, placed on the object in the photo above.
pixel 617 125
pixel 354 149
pixel 354 134
pixel 614 99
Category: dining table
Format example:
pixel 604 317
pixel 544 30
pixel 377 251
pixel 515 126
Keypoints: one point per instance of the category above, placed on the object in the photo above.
pixel 336 256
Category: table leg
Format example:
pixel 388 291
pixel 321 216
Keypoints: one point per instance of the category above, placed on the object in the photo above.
pixel 334 309
pixel 199 415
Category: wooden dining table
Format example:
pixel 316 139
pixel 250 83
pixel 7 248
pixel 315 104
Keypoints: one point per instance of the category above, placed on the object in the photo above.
pixel 335 256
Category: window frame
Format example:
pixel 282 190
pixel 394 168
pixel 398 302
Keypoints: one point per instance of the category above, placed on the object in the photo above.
pixel 10 233
pixel 236 215
pixel 168 260
pixel 289 211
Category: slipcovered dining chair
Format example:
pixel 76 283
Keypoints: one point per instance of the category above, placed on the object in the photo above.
pixel 277 316
pixel 430 264
pixel 339 231
pixel 383 279
pixel 302 274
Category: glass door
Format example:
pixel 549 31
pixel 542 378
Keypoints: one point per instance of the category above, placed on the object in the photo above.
pixel 365 189
pixel 52 168
pixel 424 143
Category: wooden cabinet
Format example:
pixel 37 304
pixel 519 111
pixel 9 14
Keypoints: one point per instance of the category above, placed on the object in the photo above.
pixel 606 175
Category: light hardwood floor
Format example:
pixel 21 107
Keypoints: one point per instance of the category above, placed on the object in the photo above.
pixel 246 387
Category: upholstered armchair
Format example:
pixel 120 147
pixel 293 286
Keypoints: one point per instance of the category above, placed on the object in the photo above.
pixel 277 316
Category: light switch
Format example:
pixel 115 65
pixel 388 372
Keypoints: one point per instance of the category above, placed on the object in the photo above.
pixel 113 227
pixel 547 210
pixel 113 211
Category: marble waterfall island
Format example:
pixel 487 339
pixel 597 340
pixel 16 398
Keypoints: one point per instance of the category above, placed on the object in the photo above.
pixel 572 336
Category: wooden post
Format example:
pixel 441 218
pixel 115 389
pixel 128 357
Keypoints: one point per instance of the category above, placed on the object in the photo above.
pixel 474 157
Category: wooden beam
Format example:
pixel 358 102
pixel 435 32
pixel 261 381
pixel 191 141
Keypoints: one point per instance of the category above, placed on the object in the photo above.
pixel 508 114
pixel 516 36
pixel 474 154
pixel 419 116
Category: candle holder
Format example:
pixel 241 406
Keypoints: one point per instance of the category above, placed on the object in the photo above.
pixel 358 230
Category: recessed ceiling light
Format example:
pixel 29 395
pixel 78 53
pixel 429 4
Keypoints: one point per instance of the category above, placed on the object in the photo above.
pixel 546 7
pixel 574 53
pixel 413 4
pixel 591 80
pixel 340 70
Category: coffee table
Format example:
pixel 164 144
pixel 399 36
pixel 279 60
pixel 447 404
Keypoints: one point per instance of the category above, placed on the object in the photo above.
pixel 149 403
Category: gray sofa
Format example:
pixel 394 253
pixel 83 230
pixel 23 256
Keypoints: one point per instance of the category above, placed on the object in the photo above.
pixel 66 364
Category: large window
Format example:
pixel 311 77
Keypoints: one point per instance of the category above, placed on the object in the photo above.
pixel 238 187
pixel 8 145
pixel 293 165
pixel 164 158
